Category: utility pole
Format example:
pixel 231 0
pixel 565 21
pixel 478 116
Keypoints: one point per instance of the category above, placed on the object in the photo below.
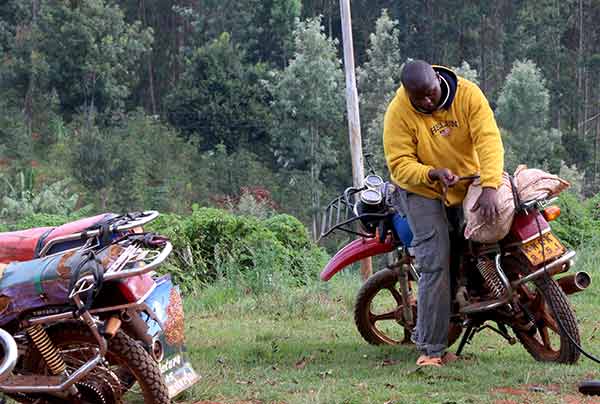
pixel 358 173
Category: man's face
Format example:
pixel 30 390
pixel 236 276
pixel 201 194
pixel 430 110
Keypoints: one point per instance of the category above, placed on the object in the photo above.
pixel 426 97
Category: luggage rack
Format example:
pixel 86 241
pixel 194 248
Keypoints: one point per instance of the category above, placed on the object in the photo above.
pixel 135 259
pixel 341 214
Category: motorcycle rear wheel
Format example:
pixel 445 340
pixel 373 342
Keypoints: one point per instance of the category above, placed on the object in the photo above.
pixel 366 317
pixel 124 354
pixel 549 304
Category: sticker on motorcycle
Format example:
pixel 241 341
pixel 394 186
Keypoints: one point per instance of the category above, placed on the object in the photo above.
pixel 165 301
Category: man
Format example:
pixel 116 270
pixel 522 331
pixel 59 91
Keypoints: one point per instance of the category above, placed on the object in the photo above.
pixel 438 128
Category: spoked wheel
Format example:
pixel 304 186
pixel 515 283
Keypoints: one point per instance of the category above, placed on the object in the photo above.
pixel 548 304
pixel 128 374
pixel 378 311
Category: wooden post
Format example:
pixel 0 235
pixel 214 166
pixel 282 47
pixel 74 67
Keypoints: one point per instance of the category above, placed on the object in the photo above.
pixel 353 115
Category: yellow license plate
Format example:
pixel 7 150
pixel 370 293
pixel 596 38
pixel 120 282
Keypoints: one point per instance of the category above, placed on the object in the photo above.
pixel 552 248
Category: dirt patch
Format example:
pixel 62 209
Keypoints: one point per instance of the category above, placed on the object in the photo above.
pixel 233 402
pixel 533 393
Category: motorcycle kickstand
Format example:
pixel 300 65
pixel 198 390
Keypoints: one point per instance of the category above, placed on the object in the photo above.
pixel 471 331
pixel 467 337
pixel 501 330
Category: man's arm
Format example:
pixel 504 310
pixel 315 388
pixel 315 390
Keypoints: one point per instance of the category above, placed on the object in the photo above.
pixel 486 138
pixel 400 148
pixel 488 145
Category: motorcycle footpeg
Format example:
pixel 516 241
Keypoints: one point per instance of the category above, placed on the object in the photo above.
pixel 483 306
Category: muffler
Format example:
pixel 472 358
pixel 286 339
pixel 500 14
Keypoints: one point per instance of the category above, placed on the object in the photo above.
pixel 575 283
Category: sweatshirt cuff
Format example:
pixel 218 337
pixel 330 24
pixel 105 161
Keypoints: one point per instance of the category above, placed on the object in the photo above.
pixel 426 179
pixel 491 183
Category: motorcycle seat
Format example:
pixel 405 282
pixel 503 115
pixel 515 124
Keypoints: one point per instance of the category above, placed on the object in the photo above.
pixel 24 245
pixel 20 245
pixel 78 226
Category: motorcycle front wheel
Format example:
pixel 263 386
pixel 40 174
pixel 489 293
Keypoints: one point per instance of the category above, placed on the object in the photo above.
pixel 546 340
pixel 378 311
pixel 128 374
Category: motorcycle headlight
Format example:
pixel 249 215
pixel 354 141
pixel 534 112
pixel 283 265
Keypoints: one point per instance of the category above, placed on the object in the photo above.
pixel 373 181
pixel 371 197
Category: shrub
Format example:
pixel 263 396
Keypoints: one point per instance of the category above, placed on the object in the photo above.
pixel 579 221
pixel 213 244
pixel 39 220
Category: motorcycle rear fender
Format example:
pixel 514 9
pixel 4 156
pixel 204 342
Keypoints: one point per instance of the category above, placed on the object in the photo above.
pixel 355 251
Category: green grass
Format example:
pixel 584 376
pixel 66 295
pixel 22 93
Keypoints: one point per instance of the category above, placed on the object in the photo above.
pixel 300 345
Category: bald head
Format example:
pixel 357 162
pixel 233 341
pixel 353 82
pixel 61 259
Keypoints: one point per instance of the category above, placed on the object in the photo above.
pixel 422 84
pixel 417 74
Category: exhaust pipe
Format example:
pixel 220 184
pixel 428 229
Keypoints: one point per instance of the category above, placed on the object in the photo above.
pixel 559 266
pixel 575 283
pixel 9 346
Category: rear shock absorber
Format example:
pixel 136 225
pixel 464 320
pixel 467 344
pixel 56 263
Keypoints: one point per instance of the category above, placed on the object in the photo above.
pixel 488 271
pixel 47 349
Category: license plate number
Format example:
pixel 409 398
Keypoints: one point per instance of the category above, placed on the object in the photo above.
pixel 537 251
pixel 178 373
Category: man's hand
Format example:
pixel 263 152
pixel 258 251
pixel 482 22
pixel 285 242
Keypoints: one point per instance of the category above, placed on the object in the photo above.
pixel 444 175
pixel 487 204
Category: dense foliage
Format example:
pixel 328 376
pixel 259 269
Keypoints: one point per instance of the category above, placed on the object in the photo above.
pixel 211 244
pixel 122 105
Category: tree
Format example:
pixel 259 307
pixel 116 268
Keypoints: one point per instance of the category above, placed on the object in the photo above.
pixel 220 99
pixel 308 108
pixel 523 112
pixel 467 72
pixel 378 79
pixel 97 163
pixel 141 163
pixel 87 54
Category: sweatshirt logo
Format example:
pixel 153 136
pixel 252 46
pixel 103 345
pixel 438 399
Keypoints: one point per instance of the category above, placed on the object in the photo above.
pixel 444 128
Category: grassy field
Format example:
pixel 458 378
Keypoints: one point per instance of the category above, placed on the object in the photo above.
pixel 301 346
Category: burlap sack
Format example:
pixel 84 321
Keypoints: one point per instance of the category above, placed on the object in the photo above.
pixel 531 183
pixel 478 229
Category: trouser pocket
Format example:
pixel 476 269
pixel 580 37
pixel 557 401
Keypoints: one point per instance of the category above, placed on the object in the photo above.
pixel 426 248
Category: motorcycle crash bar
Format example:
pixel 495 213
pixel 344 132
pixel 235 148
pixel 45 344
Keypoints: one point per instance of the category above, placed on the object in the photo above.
pixel 11 354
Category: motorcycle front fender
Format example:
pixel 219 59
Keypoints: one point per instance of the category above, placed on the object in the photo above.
pixel 355 251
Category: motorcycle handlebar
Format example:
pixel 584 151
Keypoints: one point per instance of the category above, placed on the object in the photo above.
pixel 130 223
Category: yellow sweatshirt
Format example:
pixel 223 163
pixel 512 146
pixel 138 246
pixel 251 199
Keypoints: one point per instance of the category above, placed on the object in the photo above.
pixel 463 138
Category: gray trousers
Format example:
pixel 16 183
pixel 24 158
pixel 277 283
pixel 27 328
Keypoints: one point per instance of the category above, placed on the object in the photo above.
pixel 428 220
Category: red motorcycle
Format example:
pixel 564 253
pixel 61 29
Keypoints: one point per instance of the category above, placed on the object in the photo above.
pixel 85 318
pixel 508 285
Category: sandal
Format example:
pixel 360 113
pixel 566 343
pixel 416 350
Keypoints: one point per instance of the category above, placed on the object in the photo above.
pixel 437 361
pixel 425 360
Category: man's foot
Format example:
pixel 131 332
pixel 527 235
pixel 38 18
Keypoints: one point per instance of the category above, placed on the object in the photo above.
pixel 425 360
pixel 437 361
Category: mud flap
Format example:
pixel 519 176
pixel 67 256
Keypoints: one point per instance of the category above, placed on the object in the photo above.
pixel 355 251
pixel 168 336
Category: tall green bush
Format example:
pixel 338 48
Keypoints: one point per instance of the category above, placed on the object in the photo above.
pixel 579 222
pixel 211 244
